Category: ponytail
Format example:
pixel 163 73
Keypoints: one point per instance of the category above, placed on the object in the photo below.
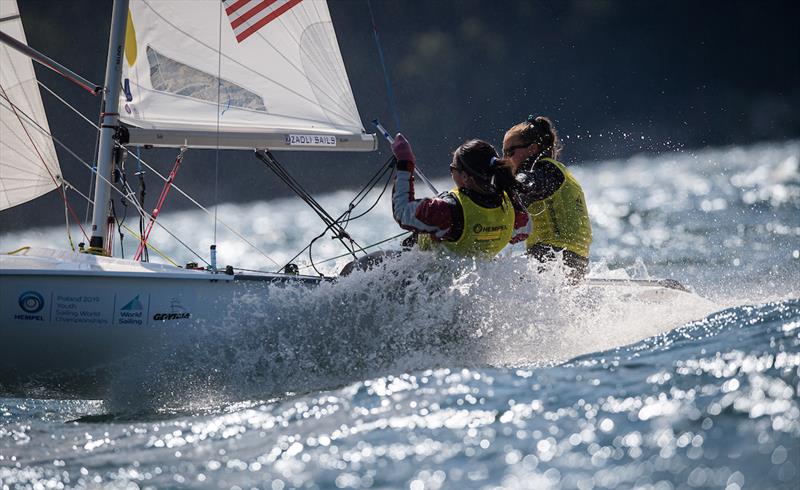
pixel 480 161
pixel 539 130
pixel 503 174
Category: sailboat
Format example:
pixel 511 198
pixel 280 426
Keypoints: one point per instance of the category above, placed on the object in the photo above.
pixel 265 76
pixel 237 74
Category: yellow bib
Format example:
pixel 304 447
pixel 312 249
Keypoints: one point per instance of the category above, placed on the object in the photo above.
pixel 486 230
pixel 562 219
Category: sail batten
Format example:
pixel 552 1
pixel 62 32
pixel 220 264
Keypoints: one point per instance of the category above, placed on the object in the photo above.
pixel 194 70
pixel 28 163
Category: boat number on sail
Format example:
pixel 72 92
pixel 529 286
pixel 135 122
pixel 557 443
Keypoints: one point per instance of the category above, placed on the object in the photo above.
pixel 310 140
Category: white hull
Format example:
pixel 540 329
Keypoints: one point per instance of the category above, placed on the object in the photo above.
pixel 71 323
pixel 67 319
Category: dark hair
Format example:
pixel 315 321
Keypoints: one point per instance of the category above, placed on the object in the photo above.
pixel 539 130
pixel 480 161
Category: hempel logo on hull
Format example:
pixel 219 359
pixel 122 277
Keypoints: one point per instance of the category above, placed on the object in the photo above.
pixel 31 303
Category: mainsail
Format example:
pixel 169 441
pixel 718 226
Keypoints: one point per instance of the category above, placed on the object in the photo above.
pixel 237 74
pixel 28 163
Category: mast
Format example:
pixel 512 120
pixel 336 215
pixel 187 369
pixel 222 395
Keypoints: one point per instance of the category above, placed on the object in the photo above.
pixel 109 125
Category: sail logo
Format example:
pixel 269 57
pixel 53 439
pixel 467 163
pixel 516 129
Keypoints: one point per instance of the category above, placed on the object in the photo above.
pixel 131 313
pixel 31 303
pixel 310 140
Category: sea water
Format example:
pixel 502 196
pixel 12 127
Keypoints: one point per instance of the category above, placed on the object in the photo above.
pixel 472 375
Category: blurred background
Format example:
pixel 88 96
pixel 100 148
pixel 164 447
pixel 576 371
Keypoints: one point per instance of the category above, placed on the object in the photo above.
pixel 617 77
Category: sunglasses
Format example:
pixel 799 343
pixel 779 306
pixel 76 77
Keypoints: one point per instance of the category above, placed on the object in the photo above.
pixel 509 152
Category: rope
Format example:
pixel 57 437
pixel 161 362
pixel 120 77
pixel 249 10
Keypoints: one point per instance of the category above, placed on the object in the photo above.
pixel 20 249
pixel 160 203
pixel 184 194
pixel 365 248
pixel 142 193
pixel 119 169
pixel 123 225
pixel 353 204
pixel 97 137
pixel 60 99
pixel 68 185
pixel 94 170
pixel 216 153
pixel 150 245
pixel 205 210
pixel 341 234
pixel 38 153
pixel 69 233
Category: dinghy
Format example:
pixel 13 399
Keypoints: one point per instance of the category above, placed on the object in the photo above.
pixel 268 77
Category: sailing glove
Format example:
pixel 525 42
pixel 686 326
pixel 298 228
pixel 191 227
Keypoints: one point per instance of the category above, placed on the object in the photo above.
pixel 402 149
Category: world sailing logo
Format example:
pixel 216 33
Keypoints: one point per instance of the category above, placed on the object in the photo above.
pixel 131 313
pixel 133 304
pixel 31 303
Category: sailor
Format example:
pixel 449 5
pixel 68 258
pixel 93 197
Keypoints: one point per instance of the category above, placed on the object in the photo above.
pixel 552 195
pixel 478 217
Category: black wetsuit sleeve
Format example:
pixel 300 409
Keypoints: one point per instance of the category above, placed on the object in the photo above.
pixel 539 182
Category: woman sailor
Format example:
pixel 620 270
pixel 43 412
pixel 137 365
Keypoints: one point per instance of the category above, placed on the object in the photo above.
pixel 476 218
pixel 552 195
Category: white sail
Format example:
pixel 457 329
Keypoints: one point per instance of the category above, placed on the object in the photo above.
pixel 28 163
pixel 237 74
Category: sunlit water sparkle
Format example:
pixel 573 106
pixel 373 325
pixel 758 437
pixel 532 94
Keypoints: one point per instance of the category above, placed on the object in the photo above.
pixel 491 376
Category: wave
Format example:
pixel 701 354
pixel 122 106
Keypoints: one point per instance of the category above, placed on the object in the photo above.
pixel 416 312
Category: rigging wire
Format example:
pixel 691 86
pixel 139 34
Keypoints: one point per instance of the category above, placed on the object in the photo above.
pixel 156 172
pixel 129 194
pixel 349 218
pixel 386 78
pixel 138 237
pixel 344 217
pixel 160 204
pixel 150 245
pixel 119 224
pixel 69 186
pixel 205 210
pixel 57 182
pixel 365 248
pixel 69 233
pixel 340 233
pixel 94 170
pixel 216 155
pixel 142 192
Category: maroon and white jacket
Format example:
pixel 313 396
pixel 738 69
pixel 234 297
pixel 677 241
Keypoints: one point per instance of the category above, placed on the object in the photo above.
pixel 441 217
